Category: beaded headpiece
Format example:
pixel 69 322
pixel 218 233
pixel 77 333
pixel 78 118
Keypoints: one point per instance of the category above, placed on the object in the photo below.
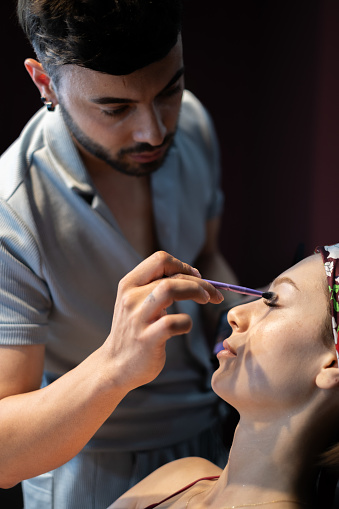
pixel 330 256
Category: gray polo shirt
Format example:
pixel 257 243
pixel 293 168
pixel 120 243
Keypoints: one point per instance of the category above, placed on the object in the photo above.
pixel 62 255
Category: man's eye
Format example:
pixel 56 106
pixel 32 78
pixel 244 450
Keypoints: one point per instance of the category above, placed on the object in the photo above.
pixel 114 113
pixel 172 91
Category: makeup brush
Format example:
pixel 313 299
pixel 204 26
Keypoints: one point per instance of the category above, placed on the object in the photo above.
pixel 240 289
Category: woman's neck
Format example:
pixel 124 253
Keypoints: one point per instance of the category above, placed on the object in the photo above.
pixel 267 462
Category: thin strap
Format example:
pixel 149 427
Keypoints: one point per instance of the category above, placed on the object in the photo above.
pixel 212 478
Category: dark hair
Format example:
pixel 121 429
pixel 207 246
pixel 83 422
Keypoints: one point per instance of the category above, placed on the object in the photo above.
pixel 110 36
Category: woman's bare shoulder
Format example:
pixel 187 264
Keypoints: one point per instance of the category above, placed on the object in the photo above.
pixel 165 481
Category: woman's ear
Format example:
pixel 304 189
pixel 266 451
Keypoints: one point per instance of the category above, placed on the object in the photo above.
pixel 328 376
pixel 41 80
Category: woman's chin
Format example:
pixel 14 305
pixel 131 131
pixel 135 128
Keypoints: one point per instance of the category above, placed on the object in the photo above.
pixel 217 384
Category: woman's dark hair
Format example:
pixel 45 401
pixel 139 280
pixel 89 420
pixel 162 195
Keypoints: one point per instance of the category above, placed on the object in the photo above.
pixel 110 36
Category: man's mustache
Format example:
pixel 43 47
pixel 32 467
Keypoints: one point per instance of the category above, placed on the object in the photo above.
pixel 145 147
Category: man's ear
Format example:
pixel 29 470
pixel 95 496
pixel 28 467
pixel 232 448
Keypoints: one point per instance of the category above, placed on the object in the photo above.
pixel 41 80
pixel 328 376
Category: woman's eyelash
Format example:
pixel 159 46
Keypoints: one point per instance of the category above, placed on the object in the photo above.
pixel 270 304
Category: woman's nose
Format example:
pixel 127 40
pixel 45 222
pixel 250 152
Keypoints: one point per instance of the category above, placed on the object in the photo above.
pixel 239 317
pixel 151 128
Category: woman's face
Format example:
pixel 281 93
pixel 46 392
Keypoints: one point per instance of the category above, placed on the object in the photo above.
pixel 276 350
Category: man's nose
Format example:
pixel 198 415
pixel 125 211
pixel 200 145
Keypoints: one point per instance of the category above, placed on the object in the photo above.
pixel 151 128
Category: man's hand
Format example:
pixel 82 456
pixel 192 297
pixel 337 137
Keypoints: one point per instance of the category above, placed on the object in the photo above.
pixel 141 325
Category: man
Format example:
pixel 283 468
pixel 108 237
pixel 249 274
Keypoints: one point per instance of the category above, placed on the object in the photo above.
pixel 121 163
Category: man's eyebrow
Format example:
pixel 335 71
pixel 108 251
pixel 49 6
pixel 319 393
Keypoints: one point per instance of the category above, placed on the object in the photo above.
pixel 175 78
pixel 284 279
pixel 125 100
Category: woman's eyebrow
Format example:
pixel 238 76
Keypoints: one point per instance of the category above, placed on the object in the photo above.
pixel 284 279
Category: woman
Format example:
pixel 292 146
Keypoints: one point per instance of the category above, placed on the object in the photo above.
pixel 279 369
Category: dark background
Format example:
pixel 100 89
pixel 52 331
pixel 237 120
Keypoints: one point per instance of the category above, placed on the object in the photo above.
pixel 268 73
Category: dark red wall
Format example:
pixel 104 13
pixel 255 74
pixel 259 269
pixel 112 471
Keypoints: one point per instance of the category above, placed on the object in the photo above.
pixel 268 73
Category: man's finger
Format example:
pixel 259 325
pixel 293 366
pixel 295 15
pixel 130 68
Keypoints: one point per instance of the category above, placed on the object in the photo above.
pixel 166 291
pixel 155 267
pixel 167 326
pixel 215 295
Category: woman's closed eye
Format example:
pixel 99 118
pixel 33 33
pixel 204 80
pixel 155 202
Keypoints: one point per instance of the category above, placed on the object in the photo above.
pixel 272 303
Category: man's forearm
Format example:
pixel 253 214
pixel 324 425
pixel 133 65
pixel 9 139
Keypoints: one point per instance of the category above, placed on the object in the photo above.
pixel 41 430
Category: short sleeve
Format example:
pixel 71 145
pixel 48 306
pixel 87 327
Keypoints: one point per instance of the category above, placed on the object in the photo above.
pixel 24 296
pixel 197 126
pixel 217 202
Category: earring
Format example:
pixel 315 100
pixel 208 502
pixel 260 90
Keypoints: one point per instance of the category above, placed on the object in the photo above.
pixel 48 104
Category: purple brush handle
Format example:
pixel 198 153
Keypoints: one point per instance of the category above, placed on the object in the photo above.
pixel 234 288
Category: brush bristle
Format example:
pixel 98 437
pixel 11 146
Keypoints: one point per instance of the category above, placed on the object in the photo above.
pixel 268 295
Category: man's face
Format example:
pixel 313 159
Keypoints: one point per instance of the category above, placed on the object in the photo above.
pixel 126 122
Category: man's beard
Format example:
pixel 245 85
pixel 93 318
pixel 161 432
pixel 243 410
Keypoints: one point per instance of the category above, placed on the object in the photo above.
pixel 118 163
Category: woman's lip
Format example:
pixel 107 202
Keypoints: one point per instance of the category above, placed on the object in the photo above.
pixel 147 157
pixel 227 347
